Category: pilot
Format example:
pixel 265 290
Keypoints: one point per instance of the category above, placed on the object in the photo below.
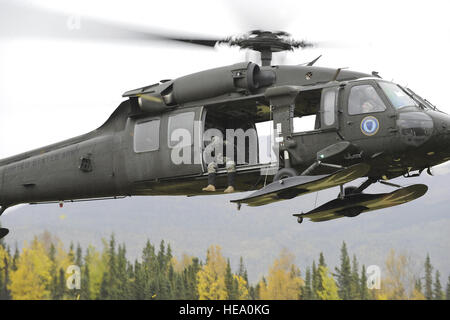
pixel 370 101
pixel 367 107
pixel 217 144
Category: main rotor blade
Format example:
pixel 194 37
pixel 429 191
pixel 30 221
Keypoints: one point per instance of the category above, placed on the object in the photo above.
pixel 20 20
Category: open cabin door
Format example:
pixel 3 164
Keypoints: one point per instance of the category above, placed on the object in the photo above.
pixel 245 125
pixel 305 121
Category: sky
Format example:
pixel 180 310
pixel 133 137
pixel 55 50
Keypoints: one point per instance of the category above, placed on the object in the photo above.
pixel 54 89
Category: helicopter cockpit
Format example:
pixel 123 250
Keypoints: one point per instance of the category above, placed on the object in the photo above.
pixel 414 122
pixel 370 112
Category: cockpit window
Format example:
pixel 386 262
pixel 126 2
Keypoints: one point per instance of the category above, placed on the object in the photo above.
pixel 396 95
pixel 364 99
pixel 424 103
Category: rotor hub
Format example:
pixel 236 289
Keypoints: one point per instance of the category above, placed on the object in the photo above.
pixel 266 42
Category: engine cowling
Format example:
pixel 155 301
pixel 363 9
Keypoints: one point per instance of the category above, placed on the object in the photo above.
pixel 244 77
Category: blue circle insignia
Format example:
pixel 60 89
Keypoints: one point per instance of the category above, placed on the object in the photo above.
pixel 370 125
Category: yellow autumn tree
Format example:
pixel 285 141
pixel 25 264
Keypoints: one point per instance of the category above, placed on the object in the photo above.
pixel 241 288
pixel 398 282
pixel 5 260
pixel 417 295
pixel 180 265
pixel 32 278
pixel 284 281
pixel 97 267
pixel 211 277
pixel 327 287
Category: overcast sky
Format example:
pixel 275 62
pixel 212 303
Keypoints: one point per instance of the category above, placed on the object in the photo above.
pixel 54 89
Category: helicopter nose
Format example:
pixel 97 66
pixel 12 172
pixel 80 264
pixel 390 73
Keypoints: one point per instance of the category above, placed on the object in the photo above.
pixel 441 134
pixel 428 130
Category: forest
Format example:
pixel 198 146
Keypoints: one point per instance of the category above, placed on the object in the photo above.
pixel 44 270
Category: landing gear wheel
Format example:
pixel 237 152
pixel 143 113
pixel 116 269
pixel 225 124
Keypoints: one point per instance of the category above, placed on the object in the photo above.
pixel 348 190
pixel 284 173
pixel 299 219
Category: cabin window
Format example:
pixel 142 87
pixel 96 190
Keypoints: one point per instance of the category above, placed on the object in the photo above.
pixel 146 136
pixel 364 99
pixel 329 106
pixel 181 129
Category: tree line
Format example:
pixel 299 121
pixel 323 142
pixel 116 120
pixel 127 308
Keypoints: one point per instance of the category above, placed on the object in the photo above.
pixel 40 271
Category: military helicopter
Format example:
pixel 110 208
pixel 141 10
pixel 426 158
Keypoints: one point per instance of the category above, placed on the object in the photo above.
pixel 154 142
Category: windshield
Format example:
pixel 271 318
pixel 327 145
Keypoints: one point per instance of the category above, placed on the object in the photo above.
pixel 424 103
pixel 396 95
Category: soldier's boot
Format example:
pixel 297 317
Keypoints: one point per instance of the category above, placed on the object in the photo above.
pixel 209 188
pixel 211 183
pixel 230 189
pixel 231 177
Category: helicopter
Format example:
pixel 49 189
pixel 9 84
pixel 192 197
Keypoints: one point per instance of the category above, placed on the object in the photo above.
pixel 155 142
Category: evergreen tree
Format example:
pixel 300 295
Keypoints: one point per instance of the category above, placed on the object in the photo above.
pixel 104 288
pixel 139 282
pixel 343 274
pixel 418 285
pixel 15 259
pixel 364 291
pixel 242 270
pixel 230 283
pixel 306 289
pixel 60 289
pixel 315 281
pixel 428 279
pixel 254 292
pixel 85 293
pixel 322 260
pixel 109 288
pixel 54 273
pixel 131 278
pixel 355 289
pixel 148 273
pixel 122 290
pixel 163 272
pixel 79 256
pixel 190 279
pixel 437 290
pixel 162 256
pixel 320 281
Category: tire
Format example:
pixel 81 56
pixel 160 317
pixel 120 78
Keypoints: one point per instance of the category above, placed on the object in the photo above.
pixel 348 190
pixel 285 173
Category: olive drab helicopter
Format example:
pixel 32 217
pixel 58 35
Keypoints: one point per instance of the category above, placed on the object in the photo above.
pixel 364 127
